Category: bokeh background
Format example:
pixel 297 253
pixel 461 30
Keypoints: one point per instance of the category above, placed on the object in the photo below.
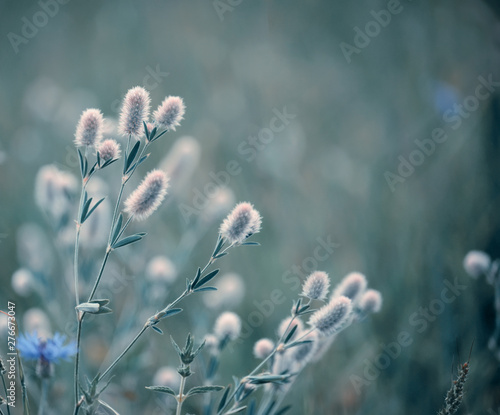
pixel 323 176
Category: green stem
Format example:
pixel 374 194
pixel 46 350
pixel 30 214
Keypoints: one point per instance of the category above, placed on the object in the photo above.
pixel 77 358
pixel 180 398
pixel 125 351
pixel 5 389
pixel 99 276
pixel 43 398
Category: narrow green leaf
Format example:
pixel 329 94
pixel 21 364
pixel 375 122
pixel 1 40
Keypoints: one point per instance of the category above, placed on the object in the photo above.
pixel 237 410
pixel 159 135
pixel 146 133
pixel 204 389
pixel 197 290
pixel 132 155
pixel 223 400
pixel 127 241
pixel 157 329
pixel 82 164
pixel 85 209
pixel 196 278
pixel 250 244
pixel 138 163
pixel 162 389
pixel 207 278
pixel 290 334
pixel 93 208
pixel 283 410
pixel 117 228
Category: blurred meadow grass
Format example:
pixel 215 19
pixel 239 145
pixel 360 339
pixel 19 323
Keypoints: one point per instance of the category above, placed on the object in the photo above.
pixel 322 176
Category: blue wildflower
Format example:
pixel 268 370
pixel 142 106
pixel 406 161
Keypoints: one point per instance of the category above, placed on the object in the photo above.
pixel 50 350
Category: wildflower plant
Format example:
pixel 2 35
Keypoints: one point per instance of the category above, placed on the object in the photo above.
pixel 314 322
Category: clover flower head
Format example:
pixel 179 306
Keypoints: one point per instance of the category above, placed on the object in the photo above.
pixel 161 269
pixel 263 348
pixel 23 282
pixel 370 302
pixel 316 286
pixel 135 111
pixel 170 113
pixel 148 196
pixel 230 292
pixel 167 376
pixel 33 347
pixel 227 326
pixel 242 222
pixel 109 150
pixel 476 263
pixel 332 317
pixel 351 286
pixel 90 128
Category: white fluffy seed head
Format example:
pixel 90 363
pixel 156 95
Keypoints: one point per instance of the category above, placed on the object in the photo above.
pixel 53 191
pixel 242 222
pixel 476 263
pixel 286 322
pixel 161 269
pixel 263 348
pixel 352 286
pixel 135 111
pixel 35 319
pixel 144 200
pixel 316 286
pixel 109 150
pixel 332 317
pixel 23 282
pixel 167 376
pixel 90 128
pixel 227 326
pixel 181 162
pixel 370 302
pixel 230 292
pixel 170 113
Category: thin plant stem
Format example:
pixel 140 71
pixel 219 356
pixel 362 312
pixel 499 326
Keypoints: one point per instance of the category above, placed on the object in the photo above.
pixel 180 398
pixel 43 398
pixel 185 293
pixel 124 351
pixel 5 389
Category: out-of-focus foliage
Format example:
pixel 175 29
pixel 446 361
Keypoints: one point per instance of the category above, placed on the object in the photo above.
pixel 319 175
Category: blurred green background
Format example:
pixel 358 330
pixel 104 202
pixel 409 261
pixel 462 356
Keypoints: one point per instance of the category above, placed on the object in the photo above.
pixel 323 176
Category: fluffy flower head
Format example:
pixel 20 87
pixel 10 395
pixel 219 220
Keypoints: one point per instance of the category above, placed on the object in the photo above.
pixel 50 350
pixel 370 302
pixel 316 286
pixel 109 150
pixel 89 130
pixel 227 326
pixel 332 317
pixel 144 200
pixel 263 348
pixel 476 263
pixel 135 111
pixel 161 269
pixel 170 113
pixel 352 286
pixel 242 222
